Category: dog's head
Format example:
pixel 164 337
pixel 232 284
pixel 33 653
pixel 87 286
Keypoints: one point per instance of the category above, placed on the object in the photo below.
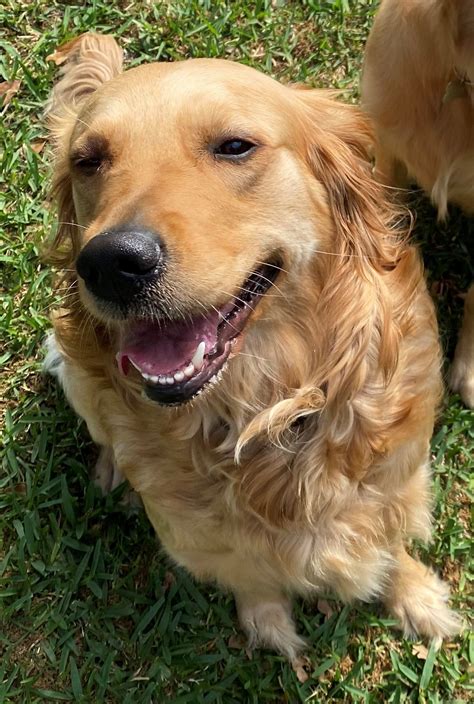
pixel 201 199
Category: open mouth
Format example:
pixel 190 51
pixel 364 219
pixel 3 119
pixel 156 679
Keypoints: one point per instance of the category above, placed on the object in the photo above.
pixel 177 359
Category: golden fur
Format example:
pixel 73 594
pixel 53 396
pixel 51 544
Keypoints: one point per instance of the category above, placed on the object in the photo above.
pixel 307 465
pixel 418 87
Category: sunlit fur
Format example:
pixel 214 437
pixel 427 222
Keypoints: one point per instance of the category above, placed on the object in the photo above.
pixel 306 466
pixel 417 52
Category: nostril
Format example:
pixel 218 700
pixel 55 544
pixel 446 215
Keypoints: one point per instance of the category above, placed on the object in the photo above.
pixel 87 271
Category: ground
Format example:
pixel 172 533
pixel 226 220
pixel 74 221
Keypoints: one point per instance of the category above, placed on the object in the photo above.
pixel 91 610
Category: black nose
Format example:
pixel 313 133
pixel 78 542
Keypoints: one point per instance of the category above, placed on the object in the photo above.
pixel 117 265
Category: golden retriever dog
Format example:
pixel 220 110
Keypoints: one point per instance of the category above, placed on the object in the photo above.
pixel 247 333
pixel 418 87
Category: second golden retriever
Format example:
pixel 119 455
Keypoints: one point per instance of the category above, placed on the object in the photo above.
pixel 247 333
pixel 418 87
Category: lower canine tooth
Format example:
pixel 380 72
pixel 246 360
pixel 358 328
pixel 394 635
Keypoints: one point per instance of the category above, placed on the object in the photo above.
pixel 179 376
pixel 198 358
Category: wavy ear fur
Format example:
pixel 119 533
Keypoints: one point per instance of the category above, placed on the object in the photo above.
pixel 90 60
pixel 371 281
pixel 362 311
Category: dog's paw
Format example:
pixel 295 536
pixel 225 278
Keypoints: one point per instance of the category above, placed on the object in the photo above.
pixel 269 624
pixel 422 607
pixel 461 378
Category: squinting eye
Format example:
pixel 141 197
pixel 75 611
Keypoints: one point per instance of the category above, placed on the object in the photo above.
pixel 88 164
pixel 234 148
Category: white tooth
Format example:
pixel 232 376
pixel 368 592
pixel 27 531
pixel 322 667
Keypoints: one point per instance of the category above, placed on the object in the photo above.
pixel 169 380
pixel 179 376
pixel 189 370
pixel 162 380
pixel 136 366
pixel 144 375
pixel 198 358
pixel 154 379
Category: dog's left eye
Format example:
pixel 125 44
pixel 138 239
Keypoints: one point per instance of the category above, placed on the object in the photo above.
pixel 234 148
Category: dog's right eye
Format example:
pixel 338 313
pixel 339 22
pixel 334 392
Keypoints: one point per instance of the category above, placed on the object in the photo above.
pixel 91 156
pixel 88 164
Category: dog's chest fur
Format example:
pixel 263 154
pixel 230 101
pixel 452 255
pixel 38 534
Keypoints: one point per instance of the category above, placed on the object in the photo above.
pixel 213 519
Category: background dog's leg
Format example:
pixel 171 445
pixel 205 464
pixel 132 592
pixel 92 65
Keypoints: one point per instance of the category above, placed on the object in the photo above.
pixel 266 619
pixel 418 598
pixel 462 371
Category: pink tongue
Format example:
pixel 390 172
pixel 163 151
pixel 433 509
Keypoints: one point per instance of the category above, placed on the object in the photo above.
pixel 163 348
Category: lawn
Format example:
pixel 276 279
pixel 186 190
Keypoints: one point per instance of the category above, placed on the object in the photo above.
pixel 91 610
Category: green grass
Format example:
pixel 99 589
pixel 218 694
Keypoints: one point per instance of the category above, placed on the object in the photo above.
pixel 91 610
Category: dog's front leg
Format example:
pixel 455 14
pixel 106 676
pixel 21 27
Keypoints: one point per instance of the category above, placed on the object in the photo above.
pixel 418 598
pixel 462 371
pixel 105 474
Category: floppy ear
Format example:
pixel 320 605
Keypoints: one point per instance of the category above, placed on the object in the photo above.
pixel 368 286
pixel 352 397
pixel 338 144
pixel 88 61
pixel 367 280
pixel 369 238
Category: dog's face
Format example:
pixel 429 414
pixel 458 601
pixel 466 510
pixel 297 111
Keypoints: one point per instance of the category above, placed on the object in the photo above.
pixel 194 198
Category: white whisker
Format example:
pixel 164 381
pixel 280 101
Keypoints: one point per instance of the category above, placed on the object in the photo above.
pixel 236 298
pixel 274 266
pixel 254 356
pixel 73 224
